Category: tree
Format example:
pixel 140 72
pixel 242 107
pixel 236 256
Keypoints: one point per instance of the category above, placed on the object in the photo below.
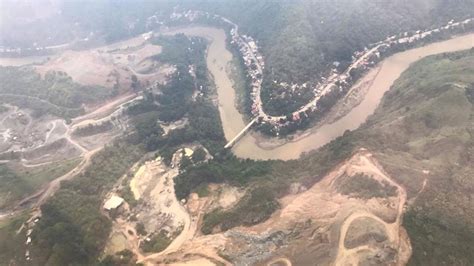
pixel 199 155
pixel 135 83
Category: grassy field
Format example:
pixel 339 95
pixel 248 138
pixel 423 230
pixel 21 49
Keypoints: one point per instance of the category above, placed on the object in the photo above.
pixel 365 187
pixel 12 245
pixel 55 93
pixel 19 181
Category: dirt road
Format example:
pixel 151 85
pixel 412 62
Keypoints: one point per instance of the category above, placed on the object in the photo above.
pixel 35 200
pixel 347 256
pixel 104 110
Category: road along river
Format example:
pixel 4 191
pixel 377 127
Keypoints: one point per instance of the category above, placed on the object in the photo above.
pixel 255 146
pixel 249 146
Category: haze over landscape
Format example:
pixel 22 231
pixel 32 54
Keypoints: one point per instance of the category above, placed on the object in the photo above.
pixel 236 132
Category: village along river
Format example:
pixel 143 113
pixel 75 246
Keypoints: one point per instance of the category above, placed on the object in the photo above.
pixel 250 146
pixel 255 146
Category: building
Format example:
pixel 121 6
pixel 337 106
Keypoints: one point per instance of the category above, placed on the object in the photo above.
pixel 113 203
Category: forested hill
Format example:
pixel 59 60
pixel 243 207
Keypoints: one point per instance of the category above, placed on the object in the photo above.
pixel 300 38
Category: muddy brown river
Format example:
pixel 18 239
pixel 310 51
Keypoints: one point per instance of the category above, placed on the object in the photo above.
pixel 255 146
pixel 391 69
pixel 251 146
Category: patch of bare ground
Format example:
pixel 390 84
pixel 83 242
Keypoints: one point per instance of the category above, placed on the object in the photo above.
pixel 224 196
pixel 158 209
pixel 353 97
pixel 111 65
pixel 310 228
pixel 48 139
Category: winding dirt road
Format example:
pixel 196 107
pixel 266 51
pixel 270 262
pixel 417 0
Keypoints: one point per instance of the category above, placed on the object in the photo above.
pixel 347 256
pixel 35 200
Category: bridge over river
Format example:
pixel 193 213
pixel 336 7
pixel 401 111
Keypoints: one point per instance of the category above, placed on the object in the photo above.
pixel 240 134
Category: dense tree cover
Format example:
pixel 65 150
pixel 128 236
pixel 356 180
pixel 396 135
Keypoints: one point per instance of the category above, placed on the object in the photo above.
pixel 56 93
pixel 122 258
pixel 226 169
pixel 157 243
pixel 434 133
pixel 147 130
pixel 199 155
pixel 18 182
pixel 186 94
pixel 188 55
pixel 91 129
pixel 301 39
pixel 11 187
pixel 12 244
pixel 72 229
pixel 365 187
pixel 255 208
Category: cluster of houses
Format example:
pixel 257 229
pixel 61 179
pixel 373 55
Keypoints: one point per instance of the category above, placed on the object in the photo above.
pixel 246 45
pixel 361 62
pixel 254 63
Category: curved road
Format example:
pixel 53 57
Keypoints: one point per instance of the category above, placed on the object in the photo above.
pixel 393 230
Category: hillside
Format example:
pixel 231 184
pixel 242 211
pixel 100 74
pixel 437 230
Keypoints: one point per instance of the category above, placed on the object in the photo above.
pixel 421 135
pixel 403 179
pixel 300 40
pixel 425 128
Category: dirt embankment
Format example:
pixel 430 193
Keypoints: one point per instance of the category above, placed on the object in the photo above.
pixel 314 226
pixel 112 65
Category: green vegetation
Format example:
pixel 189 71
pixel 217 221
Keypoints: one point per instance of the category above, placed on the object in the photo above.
pixel 12 245
pixel 56 93
pixel 122 258
pixel 434 133
pixel 176 101
pixel 301 39
pixel 231 169
pixel 365 187
pixel 191 74
pixel 202 190
pixel 425 122
pixel 72 228
pixel 126 193
pixel 199 155
pixel 91 129
pixel 3 109
pixel 140 227
pixel 241 82
pixel 157 242
pixel 18 182
pixel 254 208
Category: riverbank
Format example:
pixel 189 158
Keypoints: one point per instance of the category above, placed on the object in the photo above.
pixel 373 85
pixel 255 146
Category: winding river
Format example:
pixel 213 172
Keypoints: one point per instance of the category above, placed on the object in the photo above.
pixel 251 146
